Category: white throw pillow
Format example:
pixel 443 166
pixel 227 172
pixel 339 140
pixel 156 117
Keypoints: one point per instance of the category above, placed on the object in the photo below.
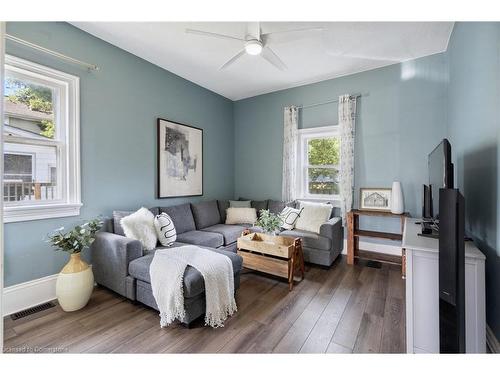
pixel 241 215
pixel 313 215
pixel 165 229
pixel 140 226
pixel 289 216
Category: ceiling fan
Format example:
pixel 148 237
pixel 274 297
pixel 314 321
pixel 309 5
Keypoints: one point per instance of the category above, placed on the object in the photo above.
pixel 255 43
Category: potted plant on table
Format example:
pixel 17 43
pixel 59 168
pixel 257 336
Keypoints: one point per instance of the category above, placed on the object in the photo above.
pixel 269 222
pixel 75 282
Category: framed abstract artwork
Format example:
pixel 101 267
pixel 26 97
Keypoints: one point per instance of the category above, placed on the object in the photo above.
pixel 180 160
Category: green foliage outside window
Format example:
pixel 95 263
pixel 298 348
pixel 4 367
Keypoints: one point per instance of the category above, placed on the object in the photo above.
pixel 36 98
pixel 323 152
pixel 47 127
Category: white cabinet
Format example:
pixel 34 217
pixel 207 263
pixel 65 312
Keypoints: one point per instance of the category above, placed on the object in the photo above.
pixel 422 294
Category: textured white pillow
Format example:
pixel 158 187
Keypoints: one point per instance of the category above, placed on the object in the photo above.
pixel 140 226
pixel 165 229
pixel 289 216
pixel 241 215
pixel 313 215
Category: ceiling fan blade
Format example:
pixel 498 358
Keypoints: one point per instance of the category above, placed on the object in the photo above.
pixel 270 56
pixel 233 59
pixel 213 35
pixel 293 35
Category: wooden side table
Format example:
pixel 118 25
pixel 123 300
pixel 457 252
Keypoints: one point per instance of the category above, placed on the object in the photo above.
pixel 354 233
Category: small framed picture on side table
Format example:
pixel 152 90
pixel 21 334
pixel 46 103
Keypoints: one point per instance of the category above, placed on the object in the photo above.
pixel 375 199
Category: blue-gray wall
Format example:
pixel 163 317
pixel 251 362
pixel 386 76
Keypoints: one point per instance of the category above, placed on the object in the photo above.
pixel 400 118
pixel 474 133
pixel 404 112
pixel 119 107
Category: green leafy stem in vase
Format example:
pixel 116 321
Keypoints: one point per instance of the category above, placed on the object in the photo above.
pixel 76 239
pixel 268 221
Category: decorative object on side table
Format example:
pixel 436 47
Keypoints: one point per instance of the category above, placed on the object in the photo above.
pixel 397 202
pixel 269 222
pixel 75 281
pixel 180 160
pixel 375 199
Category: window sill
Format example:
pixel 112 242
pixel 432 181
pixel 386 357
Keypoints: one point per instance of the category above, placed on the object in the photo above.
pixel 50 211
pixel 333 201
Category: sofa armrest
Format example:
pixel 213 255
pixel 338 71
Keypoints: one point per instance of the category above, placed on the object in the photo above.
pixel 334 230
pixel 110 257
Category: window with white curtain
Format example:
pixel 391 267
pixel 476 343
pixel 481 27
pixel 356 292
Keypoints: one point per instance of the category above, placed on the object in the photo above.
pixel 318 159
pixel 41 142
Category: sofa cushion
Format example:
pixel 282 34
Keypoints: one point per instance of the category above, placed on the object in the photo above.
pixel 259 205
pixel 193 281
pixel 199 237
pixel 117 217
pixel 276 207
pixel 205 214
pixel 223 206
pixel 309 239
pixel 181 216
pixel 229 232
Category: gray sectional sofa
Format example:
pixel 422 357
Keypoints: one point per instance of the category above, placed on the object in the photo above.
pixel 120 263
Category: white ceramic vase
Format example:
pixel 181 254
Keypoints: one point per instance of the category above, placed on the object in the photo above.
pixel 397 203
pixel 75 284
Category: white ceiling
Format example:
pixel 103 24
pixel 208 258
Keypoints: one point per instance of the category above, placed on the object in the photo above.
pixel 341 48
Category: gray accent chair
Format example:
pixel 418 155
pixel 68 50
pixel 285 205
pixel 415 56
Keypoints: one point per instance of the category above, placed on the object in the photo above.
pixel 120 263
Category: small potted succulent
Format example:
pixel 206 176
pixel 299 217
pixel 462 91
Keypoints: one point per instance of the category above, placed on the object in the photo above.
pixel 75 281
pixel 269 222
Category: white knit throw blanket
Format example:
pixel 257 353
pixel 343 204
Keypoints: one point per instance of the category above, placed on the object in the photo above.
pixel 167 272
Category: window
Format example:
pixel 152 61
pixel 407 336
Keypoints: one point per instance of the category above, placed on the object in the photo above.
pixel 41 142
pixel 318 157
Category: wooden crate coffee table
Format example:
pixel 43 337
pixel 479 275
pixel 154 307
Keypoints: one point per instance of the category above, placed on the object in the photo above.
pixel 276 255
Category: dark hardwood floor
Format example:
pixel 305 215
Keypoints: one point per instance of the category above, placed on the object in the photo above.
pixel 338 310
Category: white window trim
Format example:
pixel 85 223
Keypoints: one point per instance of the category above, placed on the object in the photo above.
pixel 71 153
pixel 303 136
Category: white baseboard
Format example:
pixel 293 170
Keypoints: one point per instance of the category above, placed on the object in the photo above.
pixel 31 293
pixel 376 248
pixel 492 341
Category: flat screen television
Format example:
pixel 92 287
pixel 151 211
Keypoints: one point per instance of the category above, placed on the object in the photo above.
pixel 440 170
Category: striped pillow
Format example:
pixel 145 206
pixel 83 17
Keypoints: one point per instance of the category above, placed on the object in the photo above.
pixel 289 216
pixel 165 229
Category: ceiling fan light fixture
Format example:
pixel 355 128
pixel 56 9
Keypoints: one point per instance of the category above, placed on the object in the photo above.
pixel 253 47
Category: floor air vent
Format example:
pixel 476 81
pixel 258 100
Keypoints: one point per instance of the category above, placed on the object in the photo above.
pixel 32 310
pixel 373 264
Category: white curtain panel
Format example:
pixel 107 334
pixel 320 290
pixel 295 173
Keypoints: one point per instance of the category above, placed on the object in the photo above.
pixel 289 181
pixel 347 118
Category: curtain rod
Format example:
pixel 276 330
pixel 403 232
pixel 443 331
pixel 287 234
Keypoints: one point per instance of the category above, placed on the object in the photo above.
pixel 329 101
pixel 50 52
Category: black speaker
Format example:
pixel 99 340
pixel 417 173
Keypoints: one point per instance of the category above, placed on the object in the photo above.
pixel 426 202
pixel 451 271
